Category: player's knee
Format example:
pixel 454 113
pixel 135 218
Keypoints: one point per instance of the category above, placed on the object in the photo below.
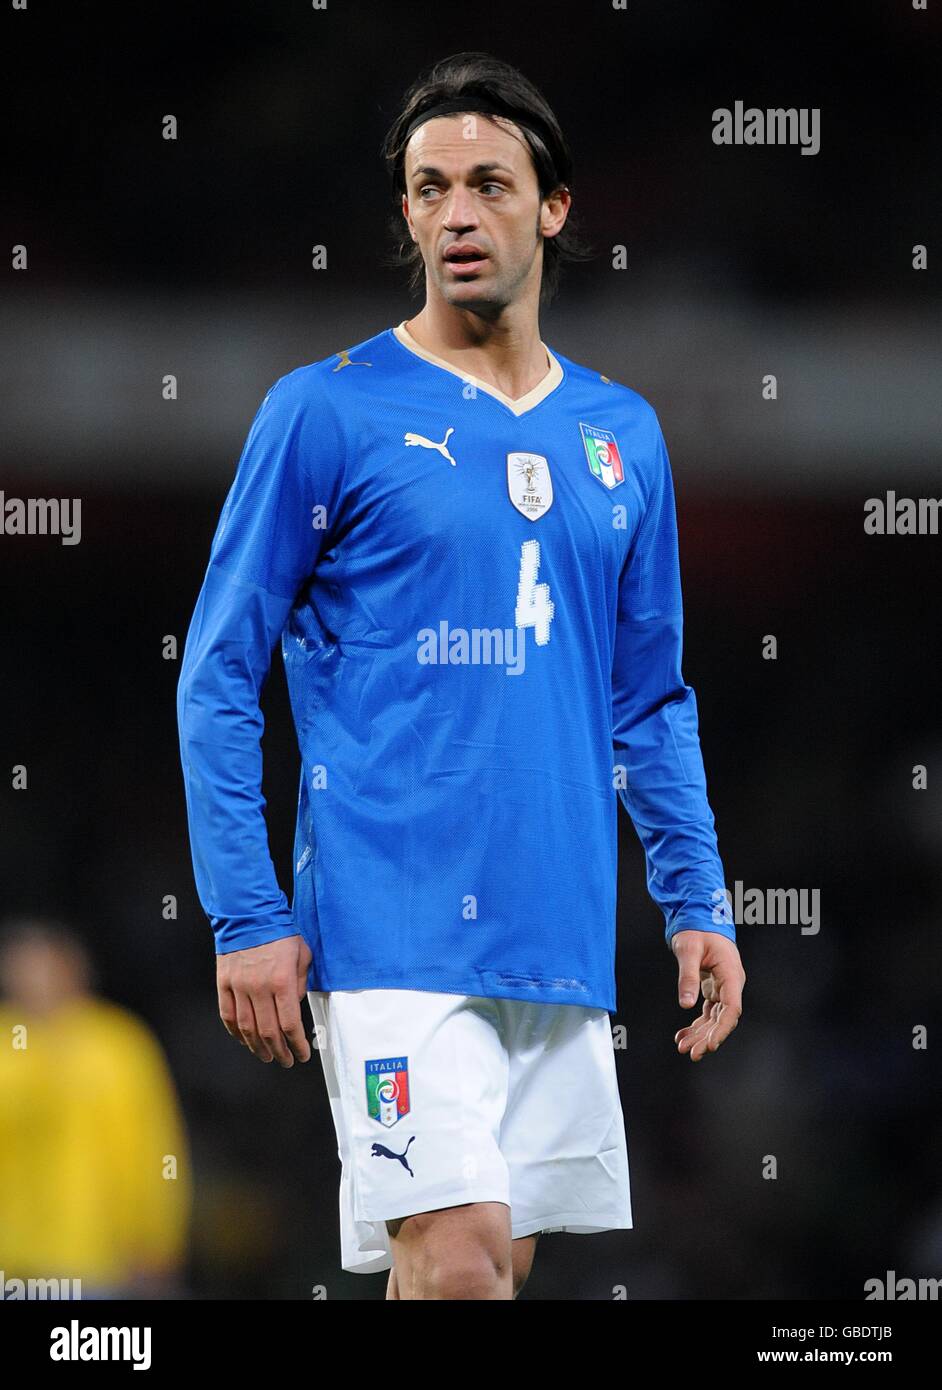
pixel 458 1253
pixel 473 1273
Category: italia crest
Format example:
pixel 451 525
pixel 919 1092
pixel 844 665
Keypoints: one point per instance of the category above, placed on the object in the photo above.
pixel 387 1089
pixel 529 484
pixel 602 452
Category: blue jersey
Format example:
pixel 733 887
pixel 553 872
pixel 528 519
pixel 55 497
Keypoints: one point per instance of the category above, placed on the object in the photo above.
pixel 479 607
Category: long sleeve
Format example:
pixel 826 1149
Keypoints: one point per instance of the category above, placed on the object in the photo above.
pixel 655 724
pixel 266 545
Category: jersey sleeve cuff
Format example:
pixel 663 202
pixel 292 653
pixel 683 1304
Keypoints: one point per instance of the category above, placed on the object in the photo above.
pixel 235 935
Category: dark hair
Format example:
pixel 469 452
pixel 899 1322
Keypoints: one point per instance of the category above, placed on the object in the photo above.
pixel 478 77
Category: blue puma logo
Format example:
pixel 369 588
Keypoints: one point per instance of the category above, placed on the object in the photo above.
pixel 380 1151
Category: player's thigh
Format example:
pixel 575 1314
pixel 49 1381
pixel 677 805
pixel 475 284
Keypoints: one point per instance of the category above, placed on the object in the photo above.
pixel 522 1253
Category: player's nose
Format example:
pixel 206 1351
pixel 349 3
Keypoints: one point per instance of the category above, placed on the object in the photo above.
pixel 460 213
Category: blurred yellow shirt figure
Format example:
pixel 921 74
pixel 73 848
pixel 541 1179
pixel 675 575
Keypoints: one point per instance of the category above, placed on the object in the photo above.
pixel 95 1176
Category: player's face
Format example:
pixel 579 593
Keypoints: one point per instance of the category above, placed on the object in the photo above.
pixel 473 206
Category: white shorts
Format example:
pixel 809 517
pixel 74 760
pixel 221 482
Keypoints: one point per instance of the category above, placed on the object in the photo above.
pixel 443 1099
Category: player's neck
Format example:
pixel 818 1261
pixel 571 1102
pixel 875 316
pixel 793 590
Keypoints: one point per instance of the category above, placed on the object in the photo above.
pixel 506 353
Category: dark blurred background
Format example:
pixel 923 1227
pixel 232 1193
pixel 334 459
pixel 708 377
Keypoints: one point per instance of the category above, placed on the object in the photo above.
pixel 192 257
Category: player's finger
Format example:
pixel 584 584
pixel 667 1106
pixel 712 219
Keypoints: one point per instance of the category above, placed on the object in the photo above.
pixel 727 1020
pixel 269 1028
pixel 688 979
pixel 689 1028
pixel 716 1032
pixel 686 1042
pixel 696 1032
pixel 248 1027
pixel 731 987
pixel 303 966
pixel 227 1012
pixel 688 1033
pixel 687 1037
pixel 695 1045
pixel 726 1013
pixel 288 1009
pixel 689 954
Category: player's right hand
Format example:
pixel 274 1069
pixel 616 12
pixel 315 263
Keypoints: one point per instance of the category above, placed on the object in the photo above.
pixel 260 992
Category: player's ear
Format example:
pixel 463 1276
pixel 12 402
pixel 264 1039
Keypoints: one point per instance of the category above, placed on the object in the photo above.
pixel 554 210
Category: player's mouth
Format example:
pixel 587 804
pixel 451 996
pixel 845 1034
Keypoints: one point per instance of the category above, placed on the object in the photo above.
pixel 464 258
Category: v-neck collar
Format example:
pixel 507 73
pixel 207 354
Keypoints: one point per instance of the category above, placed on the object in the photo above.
pixel 518 407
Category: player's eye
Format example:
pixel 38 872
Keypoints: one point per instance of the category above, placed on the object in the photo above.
pixel 498 186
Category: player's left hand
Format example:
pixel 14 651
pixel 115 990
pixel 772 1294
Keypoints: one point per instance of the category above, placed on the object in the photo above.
pixel 711 963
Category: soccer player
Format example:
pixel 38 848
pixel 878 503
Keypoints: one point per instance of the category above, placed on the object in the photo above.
pixel 466 544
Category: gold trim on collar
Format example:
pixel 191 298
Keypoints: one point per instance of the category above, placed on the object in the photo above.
pixel 520 406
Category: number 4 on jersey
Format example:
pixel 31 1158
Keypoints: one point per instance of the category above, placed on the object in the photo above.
pixel 535 608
